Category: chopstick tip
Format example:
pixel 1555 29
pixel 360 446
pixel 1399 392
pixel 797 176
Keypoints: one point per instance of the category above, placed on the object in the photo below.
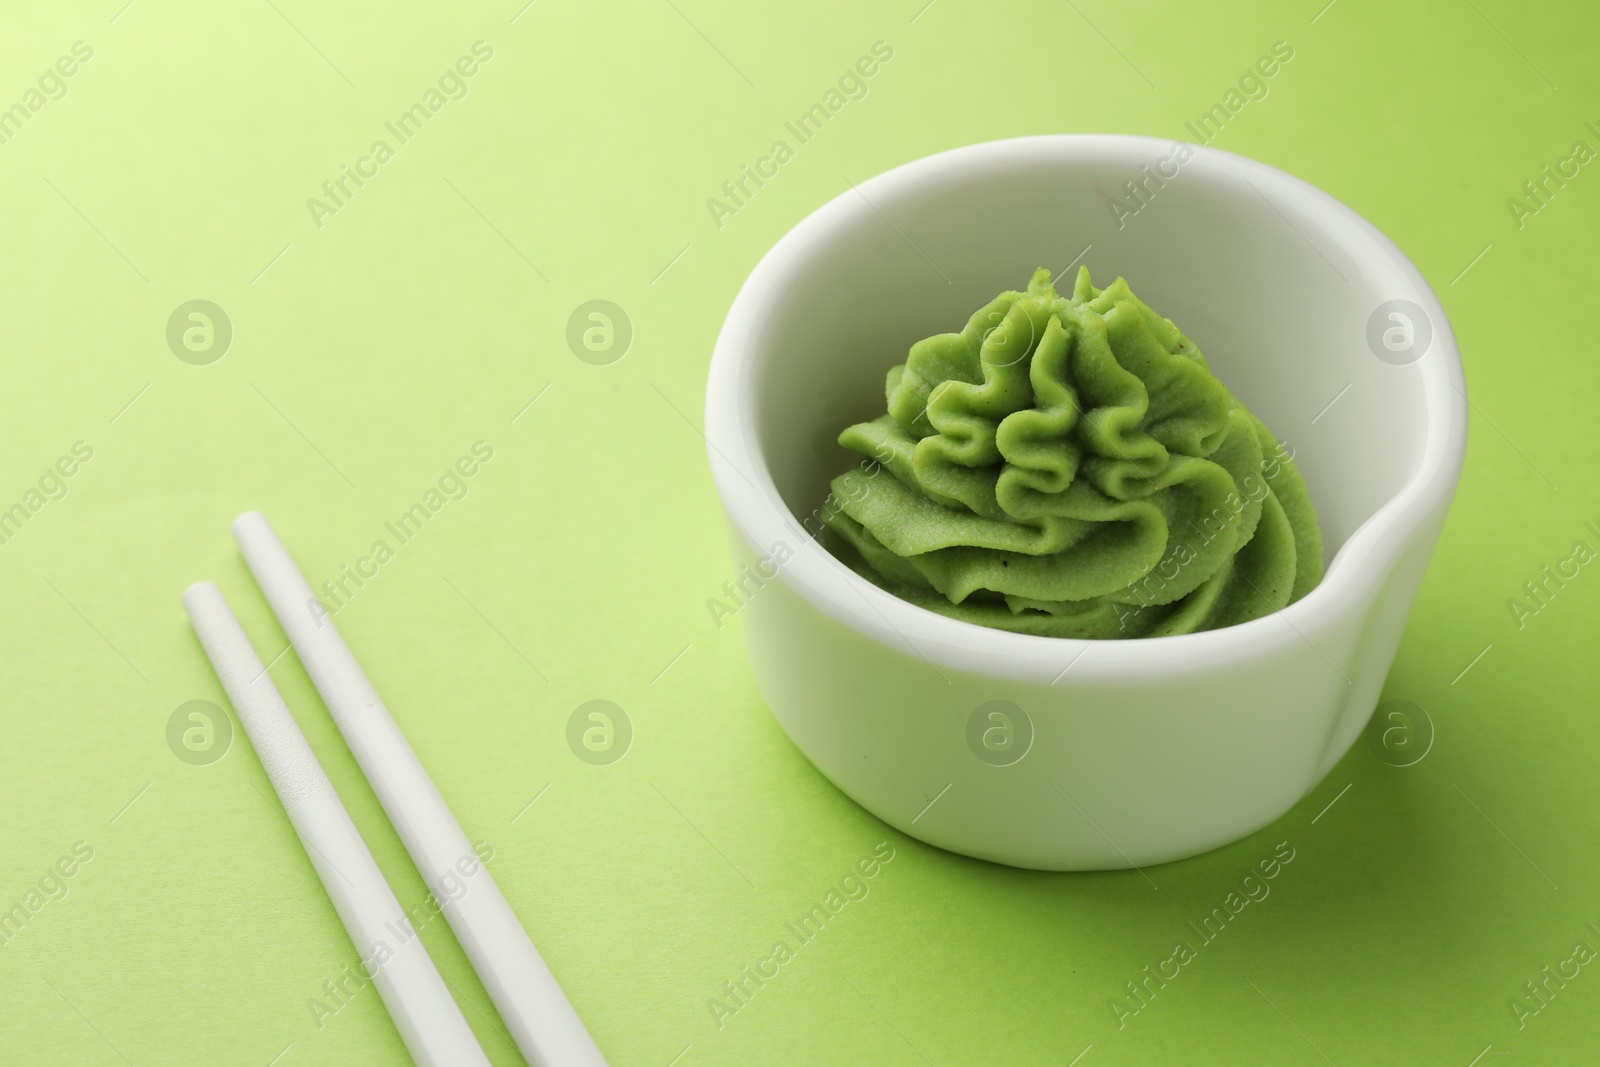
pixel 199 589
pixel 250 522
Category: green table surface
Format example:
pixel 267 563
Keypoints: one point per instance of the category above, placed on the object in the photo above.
pixel 377 338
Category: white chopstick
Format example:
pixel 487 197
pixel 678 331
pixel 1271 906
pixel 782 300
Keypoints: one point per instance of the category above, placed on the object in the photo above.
pixel 545 1027
pixel 391 952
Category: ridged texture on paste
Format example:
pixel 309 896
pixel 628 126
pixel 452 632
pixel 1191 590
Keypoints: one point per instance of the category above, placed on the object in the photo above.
pixel 1070 467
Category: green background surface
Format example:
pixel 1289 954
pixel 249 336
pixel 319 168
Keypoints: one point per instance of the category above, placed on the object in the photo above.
pixel 372 351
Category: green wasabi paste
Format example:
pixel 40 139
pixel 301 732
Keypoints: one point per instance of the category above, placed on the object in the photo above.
pixel 1070 467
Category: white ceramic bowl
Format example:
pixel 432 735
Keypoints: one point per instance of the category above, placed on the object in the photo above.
pixel 1064 754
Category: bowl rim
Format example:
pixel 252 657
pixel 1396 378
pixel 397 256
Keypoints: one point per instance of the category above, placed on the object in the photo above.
pixel 756 509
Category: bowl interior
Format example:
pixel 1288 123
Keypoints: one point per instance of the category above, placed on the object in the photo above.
pixel 1274 281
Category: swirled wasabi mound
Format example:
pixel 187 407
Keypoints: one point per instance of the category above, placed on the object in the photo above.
pixel 1069 466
